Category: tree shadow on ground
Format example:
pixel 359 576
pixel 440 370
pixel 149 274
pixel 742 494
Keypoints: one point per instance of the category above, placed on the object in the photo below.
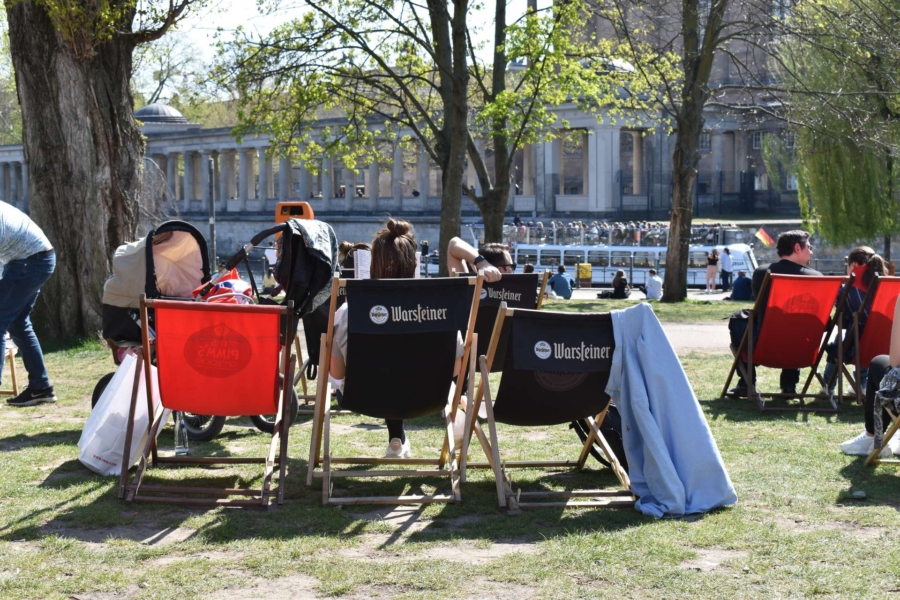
pixel 880 483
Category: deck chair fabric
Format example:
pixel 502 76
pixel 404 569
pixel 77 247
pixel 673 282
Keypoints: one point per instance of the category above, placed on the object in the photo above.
pixel 875 338
pixel 793 333
pixel 554 370
pixel 673 460
pixel 518 290
pixel 401 349
pixel 214 359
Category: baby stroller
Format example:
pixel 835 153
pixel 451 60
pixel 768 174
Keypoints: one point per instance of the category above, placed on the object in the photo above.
pixel 171 262
pixel 306 262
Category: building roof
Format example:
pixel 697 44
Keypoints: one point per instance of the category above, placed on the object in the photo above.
pixel 159 113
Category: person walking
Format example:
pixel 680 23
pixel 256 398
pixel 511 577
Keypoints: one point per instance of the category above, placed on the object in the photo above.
pixel 727 265
pixel 29 260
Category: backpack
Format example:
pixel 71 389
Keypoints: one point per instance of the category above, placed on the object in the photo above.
pixel 611 428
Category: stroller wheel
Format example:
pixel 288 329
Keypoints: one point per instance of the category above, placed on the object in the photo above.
pixel 201 428
pixel 266 423
pixel 99 388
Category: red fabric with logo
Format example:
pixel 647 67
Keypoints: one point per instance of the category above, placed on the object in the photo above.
pixel 795 320
pixel 218 359
pixel 876 337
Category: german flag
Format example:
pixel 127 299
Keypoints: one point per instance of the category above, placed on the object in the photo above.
pixel 764 237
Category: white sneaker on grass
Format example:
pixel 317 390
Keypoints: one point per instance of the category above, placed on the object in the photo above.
pixel 894 444
pixel 862 445
pixel 398 449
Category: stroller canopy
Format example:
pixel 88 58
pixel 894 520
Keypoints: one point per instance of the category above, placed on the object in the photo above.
pixel 170 262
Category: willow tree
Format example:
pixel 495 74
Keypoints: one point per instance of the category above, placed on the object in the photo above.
pixel 838 64
pixel 83 148
pixel 409 72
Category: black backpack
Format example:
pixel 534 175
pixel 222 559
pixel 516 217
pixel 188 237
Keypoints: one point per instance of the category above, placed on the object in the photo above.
pixel 611 428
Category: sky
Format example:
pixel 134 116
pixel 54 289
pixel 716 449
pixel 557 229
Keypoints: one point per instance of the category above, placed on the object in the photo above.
pixel 201 28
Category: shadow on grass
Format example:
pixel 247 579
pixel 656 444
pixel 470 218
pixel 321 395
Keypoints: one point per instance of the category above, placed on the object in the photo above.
pixel 879 482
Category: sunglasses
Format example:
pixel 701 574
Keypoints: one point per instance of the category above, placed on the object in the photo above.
pixel 509 266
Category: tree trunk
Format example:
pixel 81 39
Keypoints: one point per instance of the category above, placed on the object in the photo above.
pixel 84 155
pixel 683 179
pixel 493 211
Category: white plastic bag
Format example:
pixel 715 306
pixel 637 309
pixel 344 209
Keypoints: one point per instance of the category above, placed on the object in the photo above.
pixel 103 437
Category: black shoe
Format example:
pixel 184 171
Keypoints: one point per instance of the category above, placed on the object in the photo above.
pixel 738 390
pixel 789 390
pixel 31 397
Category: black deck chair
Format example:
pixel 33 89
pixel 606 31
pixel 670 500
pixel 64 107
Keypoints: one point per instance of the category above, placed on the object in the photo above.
pixel 399 331
pixel 518 290
pixel 554 371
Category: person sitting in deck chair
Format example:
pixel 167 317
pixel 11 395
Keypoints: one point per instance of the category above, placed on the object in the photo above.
pixel 795 251
pixel 393 257
pixel 863 263
pixel 493 259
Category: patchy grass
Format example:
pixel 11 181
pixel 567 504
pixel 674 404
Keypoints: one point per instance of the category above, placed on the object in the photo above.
pixel 689 311
pixel 795 531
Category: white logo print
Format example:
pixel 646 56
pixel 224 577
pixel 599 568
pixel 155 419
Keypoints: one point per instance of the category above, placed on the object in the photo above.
pixel 542 350
pixel 483 293
pixel 378 314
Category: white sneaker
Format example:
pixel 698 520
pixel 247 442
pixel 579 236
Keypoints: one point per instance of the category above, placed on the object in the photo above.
pixel 862 445
pixel 894 444
pixel 396 449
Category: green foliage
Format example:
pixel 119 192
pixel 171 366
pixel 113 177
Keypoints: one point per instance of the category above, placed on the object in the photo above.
pixel 845 114
pixel 375 65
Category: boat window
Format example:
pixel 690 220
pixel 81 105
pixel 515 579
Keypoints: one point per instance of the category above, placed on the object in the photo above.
pixel 662 260
pixel 573 257
pixel 621 259
pixel 644 259
pixel 550 257
pixel 526 256
pixel 697 260
pixel 598 259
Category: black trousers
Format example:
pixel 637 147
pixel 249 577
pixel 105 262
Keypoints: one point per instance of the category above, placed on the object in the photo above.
pixel 789 377
pixel 394 426
pixel 880 365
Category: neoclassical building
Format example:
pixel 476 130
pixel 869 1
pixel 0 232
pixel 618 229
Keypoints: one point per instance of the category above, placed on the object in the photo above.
pixel 590 170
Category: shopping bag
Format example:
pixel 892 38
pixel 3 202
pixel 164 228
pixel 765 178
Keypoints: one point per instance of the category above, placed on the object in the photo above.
pixel 102 440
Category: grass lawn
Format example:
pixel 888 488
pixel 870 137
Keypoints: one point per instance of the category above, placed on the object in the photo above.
pixel 795 532
pixel 689 311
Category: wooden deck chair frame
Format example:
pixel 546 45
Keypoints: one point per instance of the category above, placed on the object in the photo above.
pixel 262 497
pixel 320 443
pixel 880 286
pixel 489 442
pixel 747 344
pixel 11 359
pixel 873 458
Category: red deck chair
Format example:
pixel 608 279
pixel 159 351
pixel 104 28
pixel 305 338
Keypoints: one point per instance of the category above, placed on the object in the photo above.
pixel 213 359
pixel 876 337
pixel 796 326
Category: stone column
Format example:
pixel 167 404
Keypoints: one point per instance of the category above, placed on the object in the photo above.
pixel 327 179
pixel 422 178
pixel 372 184
pixel 217 177
pixel 585 165
pixel 528 170
pixel 264 179
pixel 233 203
pixel 243 178
pixel 13 183
pixel 223 177
pixel 304 181
pixel 24 188
pixel 349 183
pixel 716 179
pixel 205 179
pixel 172 176
pixel 4 182
pixel 188 187
pixel 285 183
pixel 397 174
pixel 637 163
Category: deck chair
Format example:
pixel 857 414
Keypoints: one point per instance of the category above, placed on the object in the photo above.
pixel 213 359
pixel 11 359
pixel 540 388
pixel 793 334
pixel 522 290
pixel 889 406
pixel 876 336
pixel 390 324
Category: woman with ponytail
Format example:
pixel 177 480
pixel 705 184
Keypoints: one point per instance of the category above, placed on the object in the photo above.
pixel 863 263
pixel 393 257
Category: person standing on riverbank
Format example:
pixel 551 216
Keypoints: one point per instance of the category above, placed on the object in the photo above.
pixel 727 265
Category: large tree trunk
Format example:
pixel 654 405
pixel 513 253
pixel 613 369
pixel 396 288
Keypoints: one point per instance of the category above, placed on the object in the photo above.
pixel 84 155
pixel 683 181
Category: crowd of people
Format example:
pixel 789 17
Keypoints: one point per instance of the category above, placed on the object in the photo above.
pixel 631 233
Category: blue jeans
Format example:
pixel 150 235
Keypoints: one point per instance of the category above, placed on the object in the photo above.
pixel 19 287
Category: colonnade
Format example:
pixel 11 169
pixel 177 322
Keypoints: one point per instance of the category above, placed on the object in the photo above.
pixel 14 183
